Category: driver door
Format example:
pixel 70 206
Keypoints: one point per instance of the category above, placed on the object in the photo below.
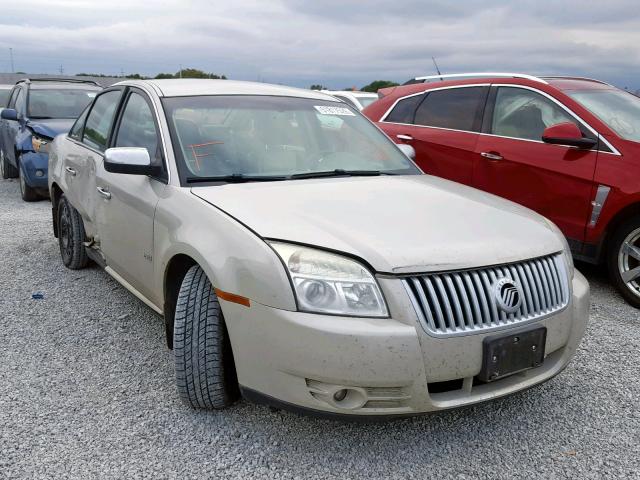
pixel 126 204
pixel 512 161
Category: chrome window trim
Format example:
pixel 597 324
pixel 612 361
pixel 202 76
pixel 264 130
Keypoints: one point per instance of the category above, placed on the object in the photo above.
pixel 614 151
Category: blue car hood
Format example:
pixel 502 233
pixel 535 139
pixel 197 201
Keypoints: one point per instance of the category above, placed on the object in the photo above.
pixel 51 127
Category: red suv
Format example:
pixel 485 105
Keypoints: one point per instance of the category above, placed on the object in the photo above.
pixel 568 148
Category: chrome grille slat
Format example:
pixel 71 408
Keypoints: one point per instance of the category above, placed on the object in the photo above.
pixel 462 302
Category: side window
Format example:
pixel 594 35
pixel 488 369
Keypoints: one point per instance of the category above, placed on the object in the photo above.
pixel 521 113
pixel 96 130
pixel 76 130
pixel 137 127
pixel 455 108
pixel 405 110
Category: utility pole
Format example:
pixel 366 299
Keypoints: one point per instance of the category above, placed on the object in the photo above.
pixel 61 70
pixel 11 56
pixel 180 70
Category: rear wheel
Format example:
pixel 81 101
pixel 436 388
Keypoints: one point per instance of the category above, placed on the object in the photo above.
pixel 6 169
pixel 624 260
pixel 71 236
pixel 28 193
pixel 205 372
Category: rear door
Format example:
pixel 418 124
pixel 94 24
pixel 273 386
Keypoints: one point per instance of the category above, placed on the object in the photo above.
pixel 82 159
pixel 442 125
pixel 513 162
pixel 126 204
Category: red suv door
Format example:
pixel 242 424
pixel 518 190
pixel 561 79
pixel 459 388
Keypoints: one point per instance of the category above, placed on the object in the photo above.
pixel 442 125
pixel 513 162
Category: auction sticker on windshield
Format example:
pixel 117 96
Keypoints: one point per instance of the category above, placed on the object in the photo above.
pixel 325 110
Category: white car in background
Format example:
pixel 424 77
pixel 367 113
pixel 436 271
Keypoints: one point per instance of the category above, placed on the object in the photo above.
pixel 354 98
pixel 4 95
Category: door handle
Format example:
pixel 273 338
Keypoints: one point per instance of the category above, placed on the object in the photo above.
pixel 70 171
pixel 104 192
pixel 407 138
pixel 492 155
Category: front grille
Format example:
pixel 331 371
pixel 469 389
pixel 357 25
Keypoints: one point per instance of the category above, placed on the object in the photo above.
pixel 460 302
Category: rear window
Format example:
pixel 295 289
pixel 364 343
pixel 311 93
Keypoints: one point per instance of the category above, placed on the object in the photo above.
pixel 454 108
pixel 58 103
pixel 405 110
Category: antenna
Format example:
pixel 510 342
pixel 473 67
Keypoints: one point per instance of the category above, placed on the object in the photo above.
pixel 436 65
pixel 11 56
pixel 61 70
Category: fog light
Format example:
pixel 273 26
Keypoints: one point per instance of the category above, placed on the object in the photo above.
pixel 39 173
pixel 340 395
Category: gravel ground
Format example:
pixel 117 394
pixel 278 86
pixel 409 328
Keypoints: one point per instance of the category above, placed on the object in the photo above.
pixel 87 391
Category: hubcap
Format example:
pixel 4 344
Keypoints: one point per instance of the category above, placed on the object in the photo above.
pixel 629 261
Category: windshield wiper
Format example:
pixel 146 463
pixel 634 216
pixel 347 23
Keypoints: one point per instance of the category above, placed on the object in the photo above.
pixel 339 172
pixel 237 178
pixel 40 117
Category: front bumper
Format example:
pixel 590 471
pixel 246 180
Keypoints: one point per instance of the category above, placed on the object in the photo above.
pixel 35 168
pixel 388 366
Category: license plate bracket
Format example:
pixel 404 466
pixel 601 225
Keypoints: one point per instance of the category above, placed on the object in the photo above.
pixel 505 355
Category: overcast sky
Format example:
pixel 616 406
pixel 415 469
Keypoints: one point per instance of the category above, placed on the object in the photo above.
pixel 338 43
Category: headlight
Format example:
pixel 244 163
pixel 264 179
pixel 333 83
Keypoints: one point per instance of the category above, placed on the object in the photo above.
pixel 324 282
pixel 40 144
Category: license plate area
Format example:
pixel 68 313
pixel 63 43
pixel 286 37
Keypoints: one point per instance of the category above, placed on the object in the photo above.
pixel 505 355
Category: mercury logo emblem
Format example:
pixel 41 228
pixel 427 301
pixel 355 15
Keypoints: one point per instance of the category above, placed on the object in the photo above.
pixel 508 295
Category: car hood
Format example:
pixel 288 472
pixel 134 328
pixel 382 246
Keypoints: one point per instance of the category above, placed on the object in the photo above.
pixel 51 127
pixel 397 224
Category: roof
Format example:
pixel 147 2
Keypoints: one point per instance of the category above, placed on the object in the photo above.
pixel 194 86
pixel 355 93
pixel 12 78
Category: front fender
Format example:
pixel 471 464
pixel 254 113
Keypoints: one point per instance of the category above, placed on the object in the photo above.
pixel 234 258
pixel 34 167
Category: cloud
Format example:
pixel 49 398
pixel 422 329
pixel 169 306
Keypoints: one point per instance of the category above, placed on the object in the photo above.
pixel 337 43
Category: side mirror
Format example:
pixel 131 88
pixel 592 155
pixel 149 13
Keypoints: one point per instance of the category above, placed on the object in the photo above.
pixel 408 150
pixel 129 160
pixel 9 114
pixel 568 134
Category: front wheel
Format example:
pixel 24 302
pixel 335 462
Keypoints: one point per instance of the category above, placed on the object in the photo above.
pixel 624 260
pixel 27 192
pixel 71 236
pixel 205 372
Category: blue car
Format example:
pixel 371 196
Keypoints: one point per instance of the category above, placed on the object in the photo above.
pixel 38 110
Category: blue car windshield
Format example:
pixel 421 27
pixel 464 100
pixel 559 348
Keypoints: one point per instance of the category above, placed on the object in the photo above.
pixel 4 97
pixel 58 103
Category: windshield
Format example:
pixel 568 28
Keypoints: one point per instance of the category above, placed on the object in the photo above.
pixel 366 101
pixel 4 97
pixel 58 103
pixel 619 110
pixel 264 136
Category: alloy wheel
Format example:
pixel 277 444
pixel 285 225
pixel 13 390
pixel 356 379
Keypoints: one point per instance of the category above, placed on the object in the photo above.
pixel 629 261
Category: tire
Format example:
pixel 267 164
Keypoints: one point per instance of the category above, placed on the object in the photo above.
pixel 71 236
pixel 205 373
pixel 28 193
pixel 624 257
pixel 6 169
